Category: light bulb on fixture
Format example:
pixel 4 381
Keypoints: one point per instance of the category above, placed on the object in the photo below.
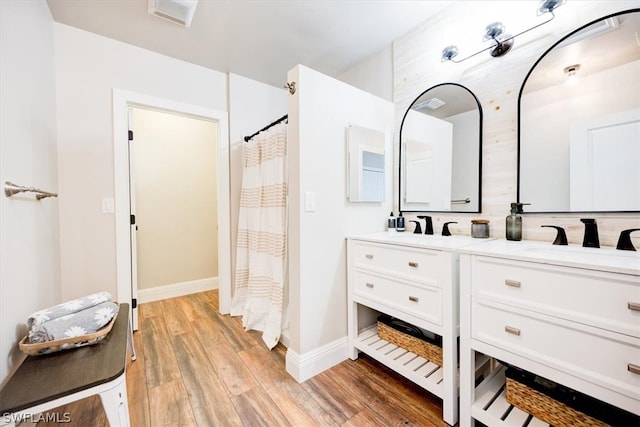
pixel 570 71
pixel 502 43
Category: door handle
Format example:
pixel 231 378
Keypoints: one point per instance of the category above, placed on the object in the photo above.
pixel 413 299
pixel 413 264
pixel 512 283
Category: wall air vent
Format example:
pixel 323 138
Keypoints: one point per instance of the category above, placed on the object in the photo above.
pixel 177 11
pixel 431 104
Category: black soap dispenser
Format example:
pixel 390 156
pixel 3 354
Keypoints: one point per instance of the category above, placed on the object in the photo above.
pixel 400 222
pixel 391 222
pixel 514 222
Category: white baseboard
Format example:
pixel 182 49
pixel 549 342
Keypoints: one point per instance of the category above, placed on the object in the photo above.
pixel 176 289
pixel 305 366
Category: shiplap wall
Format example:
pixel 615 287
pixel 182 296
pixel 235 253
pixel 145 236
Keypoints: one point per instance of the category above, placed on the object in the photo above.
pixel 496 82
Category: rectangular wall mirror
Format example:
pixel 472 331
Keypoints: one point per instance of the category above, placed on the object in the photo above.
pixel 365 164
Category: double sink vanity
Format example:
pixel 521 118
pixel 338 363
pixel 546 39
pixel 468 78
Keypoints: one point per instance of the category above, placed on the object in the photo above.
pixel 567 313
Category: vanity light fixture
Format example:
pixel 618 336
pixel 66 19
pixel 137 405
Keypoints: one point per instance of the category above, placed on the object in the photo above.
pixel 502 42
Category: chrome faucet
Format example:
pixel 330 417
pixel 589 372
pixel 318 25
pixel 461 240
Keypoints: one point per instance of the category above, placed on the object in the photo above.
pixel 428 227
pixel 590 239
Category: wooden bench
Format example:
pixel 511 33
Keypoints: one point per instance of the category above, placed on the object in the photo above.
pixel 46 382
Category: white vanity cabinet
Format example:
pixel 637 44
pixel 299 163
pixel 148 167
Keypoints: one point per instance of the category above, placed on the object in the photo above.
pixel 414 278
pixel 566 313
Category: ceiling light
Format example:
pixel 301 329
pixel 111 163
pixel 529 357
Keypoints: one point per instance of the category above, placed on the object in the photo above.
pixel 570 71
pixel 502 43
pixel 177 11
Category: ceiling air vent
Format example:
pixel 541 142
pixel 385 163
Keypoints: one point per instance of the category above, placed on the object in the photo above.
pixel 431 104
pixel 177 11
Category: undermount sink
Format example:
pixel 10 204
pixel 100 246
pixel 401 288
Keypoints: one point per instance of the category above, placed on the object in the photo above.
pixel 573 251
pixel 604 258
pixel 434 241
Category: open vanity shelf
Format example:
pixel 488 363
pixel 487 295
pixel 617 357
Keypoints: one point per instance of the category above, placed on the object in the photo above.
pixel 414 278
pixel 491 407
pixel 421 371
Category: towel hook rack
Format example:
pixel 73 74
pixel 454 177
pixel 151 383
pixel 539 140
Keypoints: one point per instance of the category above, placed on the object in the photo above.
pixel 11 189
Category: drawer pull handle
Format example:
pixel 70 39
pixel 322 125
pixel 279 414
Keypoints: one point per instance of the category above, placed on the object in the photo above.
pixel 635 306
pixel 413 299
pixel 633 368
pixel 512 283
pixel 512 330
pixel 413 264
pixel 369 256
pixel 369 285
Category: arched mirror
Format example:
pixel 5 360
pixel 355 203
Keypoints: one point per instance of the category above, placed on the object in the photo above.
pixel 441 151
pixel 579 121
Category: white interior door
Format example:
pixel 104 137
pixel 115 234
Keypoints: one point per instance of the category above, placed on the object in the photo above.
pixel 604 153
pixel 133 229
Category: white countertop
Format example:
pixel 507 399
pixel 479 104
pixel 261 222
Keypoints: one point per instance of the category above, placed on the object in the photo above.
pixel 601 259
pixel 427 241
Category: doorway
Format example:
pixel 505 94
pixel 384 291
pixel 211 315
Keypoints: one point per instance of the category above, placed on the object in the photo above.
pixel 173 176
pixel 125 246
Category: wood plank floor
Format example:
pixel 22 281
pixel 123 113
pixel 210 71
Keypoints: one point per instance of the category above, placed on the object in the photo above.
pixel 198 368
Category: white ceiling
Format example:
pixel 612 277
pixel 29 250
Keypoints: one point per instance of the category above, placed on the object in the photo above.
pixel 259 39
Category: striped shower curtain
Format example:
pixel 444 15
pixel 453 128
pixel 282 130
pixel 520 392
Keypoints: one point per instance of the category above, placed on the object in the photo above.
pixel 259 284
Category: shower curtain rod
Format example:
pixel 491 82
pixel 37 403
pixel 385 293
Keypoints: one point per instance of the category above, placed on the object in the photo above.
pixel 247 138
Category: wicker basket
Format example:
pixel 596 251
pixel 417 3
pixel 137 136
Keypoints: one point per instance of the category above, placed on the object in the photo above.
pixel 415 345
pixel 47 347
pixel 546 408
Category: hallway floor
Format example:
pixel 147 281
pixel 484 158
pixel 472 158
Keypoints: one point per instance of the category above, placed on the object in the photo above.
pixel 198 368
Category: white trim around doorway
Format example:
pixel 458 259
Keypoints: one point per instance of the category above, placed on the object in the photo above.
pixel 122 100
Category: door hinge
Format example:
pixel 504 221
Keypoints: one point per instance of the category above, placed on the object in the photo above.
pixel 130 135
pixel 134 302
pixel 132 219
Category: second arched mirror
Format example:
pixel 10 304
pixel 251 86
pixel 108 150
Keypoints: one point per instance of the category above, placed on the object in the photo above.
pixel 441 151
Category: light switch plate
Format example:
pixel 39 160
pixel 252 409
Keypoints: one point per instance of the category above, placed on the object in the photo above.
pixel 310 201
pixel 108 206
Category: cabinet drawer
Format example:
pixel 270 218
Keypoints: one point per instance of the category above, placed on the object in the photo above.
pixel 603 358
pixel 606 300
pixel 406 261
pixel 424 302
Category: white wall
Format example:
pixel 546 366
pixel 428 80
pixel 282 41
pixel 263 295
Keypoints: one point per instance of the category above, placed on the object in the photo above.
pixel 29 251
pixel 373 74
pixel 464 167
pixel 252 106
pixel 496 82
pixel 319 114
pixel 88 68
